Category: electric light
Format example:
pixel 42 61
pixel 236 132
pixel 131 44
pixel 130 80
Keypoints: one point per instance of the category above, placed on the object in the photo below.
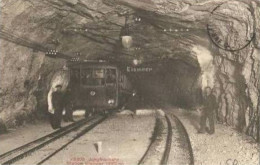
pixel 126 38
pixel 135 61
pixel 127 41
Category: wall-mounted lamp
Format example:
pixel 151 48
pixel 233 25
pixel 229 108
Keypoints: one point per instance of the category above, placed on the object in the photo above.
pixel 75 59
pixel 137 61
pixel 51 53
pixel 78 54
pixel 137 19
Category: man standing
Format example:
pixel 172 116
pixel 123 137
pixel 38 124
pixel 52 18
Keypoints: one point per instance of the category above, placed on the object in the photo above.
pixel 208 109
pixel 68 106
pixel 57 100
pixel 133 102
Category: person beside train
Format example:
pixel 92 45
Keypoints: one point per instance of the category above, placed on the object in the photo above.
pixel 56 107
pixel 135 101
pixel 59 101
pixel 68 117
pixel 209 106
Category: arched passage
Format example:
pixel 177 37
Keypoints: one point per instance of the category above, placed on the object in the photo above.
pixel 165 30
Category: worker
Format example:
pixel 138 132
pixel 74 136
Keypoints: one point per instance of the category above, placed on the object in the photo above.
pixel 207 111
pixel 133 103
pixel 57 100
pixel 68 106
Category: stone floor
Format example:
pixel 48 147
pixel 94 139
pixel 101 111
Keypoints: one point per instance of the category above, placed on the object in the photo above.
pixel 125 137
pixel 226 146
pixel 24 134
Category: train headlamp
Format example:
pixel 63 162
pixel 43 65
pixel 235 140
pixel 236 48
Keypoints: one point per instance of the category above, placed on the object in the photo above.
pixel 111 101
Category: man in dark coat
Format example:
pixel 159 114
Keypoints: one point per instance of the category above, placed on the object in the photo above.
pixel 208 109
pixel 58 106
pixel 134 101
pixel 68 106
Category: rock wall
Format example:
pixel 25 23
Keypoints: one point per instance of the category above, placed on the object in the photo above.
pixel 205 60
pixel 24 81
pixel 237 91
pixel 237 82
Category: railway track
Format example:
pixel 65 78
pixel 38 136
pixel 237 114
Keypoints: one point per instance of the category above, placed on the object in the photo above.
pixel 62 138
pixel 169 145
pixel 176 147
pixel 181 150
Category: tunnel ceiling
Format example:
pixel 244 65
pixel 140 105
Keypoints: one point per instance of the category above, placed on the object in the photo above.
pixel 160 28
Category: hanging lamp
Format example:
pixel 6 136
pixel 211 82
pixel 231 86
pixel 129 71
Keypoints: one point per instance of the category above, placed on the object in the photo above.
pixel 126 38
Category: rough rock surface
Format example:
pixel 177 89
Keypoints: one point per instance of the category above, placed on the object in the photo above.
pixel 226 146
pixel 25 77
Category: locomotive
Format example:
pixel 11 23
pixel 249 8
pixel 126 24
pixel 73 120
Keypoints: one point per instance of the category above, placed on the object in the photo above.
pixel 97 86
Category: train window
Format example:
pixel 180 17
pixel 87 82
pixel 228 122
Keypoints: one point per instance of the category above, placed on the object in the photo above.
pixel 88 73
pixel 98 73
pixel 86 76
pixel 93 77
pixel 76 73
pixel 110 76
pixel 83 75
pixel 74 76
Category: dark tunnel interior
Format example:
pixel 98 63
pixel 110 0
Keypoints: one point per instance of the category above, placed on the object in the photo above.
pixel 170 82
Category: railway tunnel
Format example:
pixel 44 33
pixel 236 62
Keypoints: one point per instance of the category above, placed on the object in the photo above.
pixel 168 82
pixel 177 49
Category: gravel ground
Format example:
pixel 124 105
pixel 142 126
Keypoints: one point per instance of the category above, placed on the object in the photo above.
pixel 225 147
pixel 124 138
pixel 26 133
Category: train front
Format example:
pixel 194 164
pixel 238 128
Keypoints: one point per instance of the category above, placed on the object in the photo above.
pixel 94 86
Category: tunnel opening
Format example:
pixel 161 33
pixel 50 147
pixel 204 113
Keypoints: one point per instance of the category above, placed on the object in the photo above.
pixel 170 82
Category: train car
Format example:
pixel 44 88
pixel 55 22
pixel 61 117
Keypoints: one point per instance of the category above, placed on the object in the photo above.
pixel 97 86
